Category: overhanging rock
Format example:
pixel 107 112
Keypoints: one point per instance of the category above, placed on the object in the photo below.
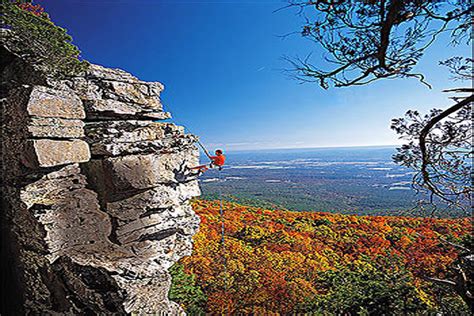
pixel 94 235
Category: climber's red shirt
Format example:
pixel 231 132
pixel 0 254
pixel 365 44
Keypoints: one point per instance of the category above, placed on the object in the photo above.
pixel 218 160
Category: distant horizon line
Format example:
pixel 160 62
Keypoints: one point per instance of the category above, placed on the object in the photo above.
pixel 322 147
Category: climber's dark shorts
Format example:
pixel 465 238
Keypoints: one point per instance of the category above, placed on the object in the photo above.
pixel 213 165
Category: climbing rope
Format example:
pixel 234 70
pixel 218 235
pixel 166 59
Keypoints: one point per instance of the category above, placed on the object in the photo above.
pixel 224 259
pixel 221 212
pixel 201 145
pixel 189 130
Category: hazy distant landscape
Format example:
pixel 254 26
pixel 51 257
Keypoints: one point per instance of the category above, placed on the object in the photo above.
pixel 358 180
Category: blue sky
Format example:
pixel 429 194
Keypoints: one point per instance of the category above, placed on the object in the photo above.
pixel 221 64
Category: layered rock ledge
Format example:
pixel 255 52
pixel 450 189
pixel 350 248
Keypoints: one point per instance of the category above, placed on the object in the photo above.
pixel 95 192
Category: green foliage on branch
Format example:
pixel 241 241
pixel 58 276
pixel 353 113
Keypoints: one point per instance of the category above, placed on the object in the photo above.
pixel 35 38
pixel 185 291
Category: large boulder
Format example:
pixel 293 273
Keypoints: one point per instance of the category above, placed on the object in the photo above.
pixel 116 94
pixel 48 102
pixel 147 171
pixel 50 153
pixel 118 138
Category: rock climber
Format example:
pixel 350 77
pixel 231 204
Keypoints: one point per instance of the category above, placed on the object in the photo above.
pixel 217 161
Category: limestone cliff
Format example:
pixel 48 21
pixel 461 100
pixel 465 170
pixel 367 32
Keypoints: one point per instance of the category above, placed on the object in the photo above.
pixel 95 197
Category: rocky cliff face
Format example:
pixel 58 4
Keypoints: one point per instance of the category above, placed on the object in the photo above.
pixel 95 193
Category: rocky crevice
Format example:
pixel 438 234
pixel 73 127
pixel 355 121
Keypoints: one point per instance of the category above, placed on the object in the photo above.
pixel 95 193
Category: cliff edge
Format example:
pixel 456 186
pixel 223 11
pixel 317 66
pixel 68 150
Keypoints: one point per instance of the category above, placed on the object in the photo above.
pixel 95 203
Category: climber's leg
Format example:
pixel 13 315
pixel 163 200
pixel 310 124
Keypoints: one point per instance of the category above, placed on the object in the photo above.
pixel 199 170
pixel 199 167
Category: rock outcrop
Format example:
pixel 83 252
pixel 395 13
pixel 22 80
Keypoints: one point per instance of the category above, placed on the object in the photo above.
pixel 95 193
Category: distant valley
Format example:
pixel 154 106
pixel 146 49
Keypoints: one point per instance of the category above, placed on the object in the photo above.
pixel 353 180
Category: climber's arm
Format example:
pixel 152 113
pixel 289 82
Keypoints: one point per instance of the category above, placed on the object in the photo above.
pixel 208 154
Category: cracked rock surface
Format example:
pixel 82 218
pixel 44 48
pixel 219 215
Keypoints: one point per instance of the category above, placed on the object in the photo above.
pixel 96 193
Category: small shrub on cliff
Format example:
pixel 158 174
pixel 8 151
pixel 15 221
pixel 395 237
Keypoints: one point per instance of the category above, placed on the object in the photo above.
pixel 34 9
pixel 29 33
pixel 185 291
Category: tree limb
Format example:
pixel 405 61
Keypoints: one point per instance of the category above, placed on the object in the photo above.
pixel 424 133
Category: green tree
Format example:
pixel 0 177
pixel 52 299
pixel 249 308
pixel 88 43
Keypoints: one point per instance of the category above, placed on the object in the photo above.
pixel 28 32
pixel 362 289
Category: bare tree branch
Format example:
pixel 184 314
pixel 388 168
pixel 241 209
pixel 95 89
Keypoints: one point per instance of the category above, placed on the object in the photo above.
pixel 374 40
pixel 422 141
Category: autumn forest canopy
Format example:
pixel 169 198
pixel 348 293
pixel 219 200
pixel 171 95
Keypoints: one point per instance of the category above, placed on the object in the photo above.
pixel 281 262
